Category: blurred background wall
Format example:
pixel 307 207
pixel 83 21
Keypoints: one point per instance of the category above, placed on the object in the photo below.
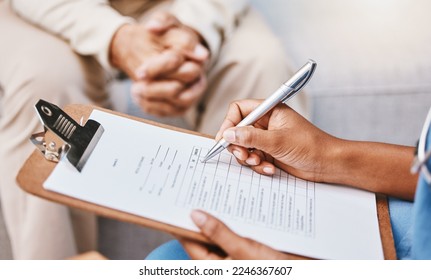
pixel 373 79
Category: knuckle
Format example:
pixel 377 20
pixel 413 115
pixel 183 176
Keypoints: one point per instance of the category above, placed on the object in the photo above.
pixel 188 77
pixel 191 71
pixel 175 88
pixel 246 137
pixel 189 39
pixel 173 59
pixel 183 39
pixel 259 154
pixel 169 109
pixel 233 106
pixel 212 229
pixel 179 111
pixel 184 103
pixel 144 91
pixel 162 16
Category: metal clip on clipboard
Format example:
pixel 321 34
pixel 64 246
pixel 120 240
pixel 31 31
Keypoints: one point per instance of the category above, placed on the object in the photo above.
pixel 72 140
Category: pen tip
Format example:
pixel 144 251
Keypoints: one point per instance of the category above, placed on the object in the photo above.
pixel 205 159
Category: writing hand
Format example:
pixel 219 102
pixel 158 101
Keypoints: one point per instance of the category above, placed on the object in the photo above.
pixel 282 137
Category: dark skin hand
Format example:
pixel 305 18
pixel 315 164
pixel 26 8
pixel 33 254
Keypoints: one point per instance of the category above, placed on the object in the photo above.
pixel 230 245
pixel 286 140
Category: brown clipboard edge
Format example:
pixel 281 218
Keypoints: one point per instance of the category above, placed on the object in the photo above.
pixel 385 227
pixel 36 169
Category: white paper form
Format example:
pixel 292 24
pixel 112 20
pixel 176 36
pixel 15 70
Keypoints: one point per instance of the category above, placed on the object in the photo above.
pixel 158 174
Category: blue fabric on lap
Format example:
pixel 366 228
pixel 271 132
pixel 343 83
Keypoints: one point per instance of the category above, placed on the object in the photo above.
pixel 171 250
pixel 400 212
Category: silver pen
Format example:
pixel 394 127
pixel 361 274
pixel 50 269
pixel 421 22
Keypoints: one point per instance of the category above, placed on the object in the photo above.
pixel 283 94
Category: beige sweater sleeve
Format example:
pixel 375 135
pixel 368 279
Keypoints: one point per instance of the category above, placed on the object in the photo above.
pixel 214 20
pixel 87 25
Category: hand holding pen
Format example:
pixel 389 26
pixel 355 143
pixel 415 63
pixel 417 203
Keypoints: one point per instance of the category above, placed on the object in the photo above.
pixel 282 95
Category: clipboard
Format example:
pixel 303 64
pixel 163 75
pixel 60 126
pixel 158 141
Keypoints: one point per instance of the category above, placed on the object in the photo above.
pixel 36 170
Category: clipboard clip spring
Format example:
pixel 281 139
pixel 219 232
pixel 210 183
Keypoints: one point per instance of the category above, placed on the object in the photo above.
pixel 68 138
pixel 50 151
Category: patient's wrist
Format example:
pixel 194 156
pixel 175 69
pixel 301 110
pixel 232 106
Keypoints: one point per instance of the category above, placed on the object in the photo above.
pixel 116 47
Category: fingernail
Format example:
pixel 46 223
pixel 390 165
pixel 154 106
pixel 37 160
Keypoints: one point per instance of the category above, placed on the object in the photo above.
pixel 237 154
pixel 154 24
pixel 199 218
pixel 268 170
pixel 251 161
pixel 229 135
pixel 200 51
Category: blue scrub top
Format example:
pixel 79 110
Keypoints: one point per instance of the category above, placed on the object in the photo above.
pixel 421 228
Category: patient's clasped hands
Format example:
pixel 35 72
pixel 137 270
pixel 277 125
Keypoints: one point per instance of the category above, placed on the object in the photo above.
pixel 166 61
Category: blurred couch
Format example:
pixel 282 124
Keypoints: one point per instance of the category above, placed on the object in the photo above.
pixel 373 81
